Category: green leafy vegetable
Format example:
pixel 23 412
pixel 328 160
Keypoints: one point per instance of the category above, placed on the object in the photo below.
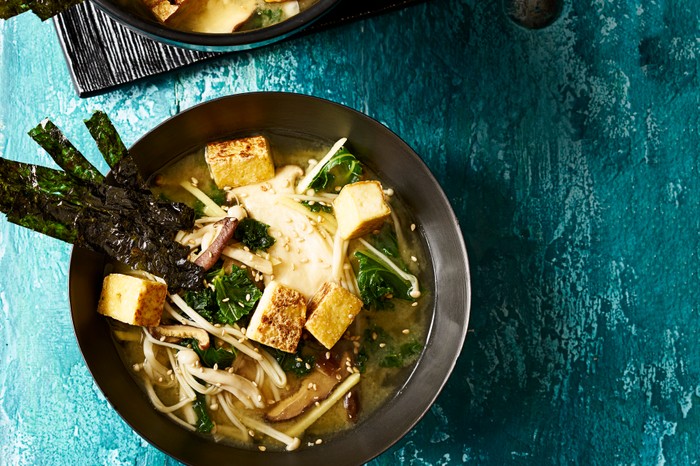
pixel 221 357
pixel 298 363
pixel 204 302
pixel 317 207
pixel 343 168
pixel 378 284
pixel 236 295
pixel 254 234
pixel 379 345
pixel 405 355
pixel 233 297
pixel 385 241
pixel 204 423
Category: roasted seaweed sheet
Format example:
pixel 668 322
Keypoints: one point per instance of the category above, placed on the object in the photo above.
pixel 116 215
pixel 44 9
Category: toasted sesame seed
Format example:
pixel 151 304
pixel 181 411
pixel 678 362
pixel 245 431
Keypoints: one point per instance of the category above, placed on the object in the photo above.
pixel 319 441
pixel 413 227
pixel 251 433
pixel 405 331
pixel 262 448
pixel 382 345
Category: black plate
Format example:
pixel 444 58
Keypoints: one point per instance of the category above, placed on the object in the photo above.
pixel 142 23
pixel 399 167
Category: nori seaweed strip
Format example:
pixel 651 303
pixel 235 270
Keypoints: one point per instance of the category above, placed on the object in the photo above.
pixel 18 176
pixel 45 214
pixel 52 140
pixel 131 240
pixel 107 138
pixel 45 9
pixel 10 8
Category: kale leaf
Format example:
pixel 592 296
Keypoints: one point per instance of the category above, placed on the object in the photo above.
pixel 210 356
pixel 298 363
pixel 343 168
pixel 317 207
pixel 204 423
pixel 234 296
pixel 378 283
pixel 378 345
pixel 254 234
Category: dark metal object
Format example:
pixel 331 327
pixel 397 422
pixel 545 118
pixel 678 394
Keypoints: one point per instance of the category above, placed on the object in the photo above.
pixel 534 14
pixel 447 283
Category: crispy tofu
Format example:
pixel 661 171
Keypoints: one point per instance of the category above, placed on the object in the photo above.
pixel 132 300
pixel 330 312
pixel 240 162
pixel 360 209
pixel 163 9
pixel 279 318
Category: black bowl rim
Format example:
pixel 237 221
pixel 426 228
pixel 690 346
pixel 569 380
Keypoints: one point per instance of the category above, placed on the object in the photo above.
pixel 217 42
pixel 458 327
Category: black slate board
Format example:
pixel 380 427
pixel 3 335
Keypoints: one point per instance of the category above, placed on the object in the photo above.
pixel 102 54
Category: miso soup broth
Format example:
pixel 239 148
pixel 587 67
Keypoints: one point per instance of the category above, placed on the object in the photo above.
pixel 241 391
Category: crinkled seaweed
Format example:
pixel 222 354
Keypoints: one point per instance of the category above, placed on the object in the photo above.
pixel 105 215
pixel 44 9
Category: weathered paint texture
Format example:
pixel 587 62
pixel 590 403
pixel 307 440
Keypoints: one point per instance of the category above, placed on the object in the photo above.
pixel 570 155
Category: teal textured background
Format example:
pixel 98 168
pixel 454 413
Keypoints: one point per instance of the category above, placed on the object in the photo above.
pixel 570 156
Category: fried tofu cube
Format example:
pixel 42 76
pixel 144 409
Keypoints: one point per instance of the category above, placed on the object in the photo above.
pixel 163 9
pixel 279 318
pixel 240 162
pixel 360 208
pixel 330 312
pixel 132 300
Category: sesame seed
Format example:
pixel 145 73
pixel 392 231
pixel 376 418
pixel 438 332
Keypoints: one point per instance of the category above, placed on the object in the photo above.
pixel 382 345
pixel 413 227
pixel 405 331
pixel 251 433
pixel 374 335
pixel 194 181
pixel 328 354
pixel 414 258
pixel 225 300
pixel 262 448
pixel 160 379
pixel 414 304
pixel 310 386
pixel 214 406
pixel 319 441
pixel 307 366
pixel 247 297
pixel 216 366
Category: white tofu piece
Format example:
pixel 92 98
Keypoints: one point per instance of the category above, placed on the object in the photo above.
pixel 279 318
pixel 240 162
pixel 330 313
pixel 132 300
pixel 360 208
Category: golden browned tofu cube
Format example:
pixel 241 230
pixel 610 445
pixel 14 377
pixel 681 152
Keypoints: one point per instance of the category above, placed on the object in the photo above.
pixel 330 313
pixel 360 209
pixel 279 318
pixel 132 300
pixel 163 9
pixel 240 162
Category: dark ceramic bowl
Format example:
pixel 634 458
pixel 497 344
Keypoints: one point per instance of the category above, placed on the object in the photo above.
pixel 140 21
pixel 399 167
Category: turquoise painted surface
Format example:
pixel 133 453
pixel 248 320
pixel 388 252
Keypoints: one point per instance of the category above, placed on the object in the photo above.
pixel 570 155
